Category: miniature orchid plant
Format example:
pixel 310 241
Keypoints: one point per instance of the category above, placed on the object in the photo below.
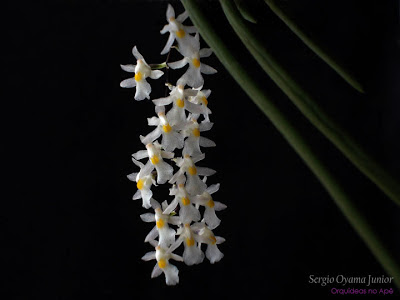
pixel 178 128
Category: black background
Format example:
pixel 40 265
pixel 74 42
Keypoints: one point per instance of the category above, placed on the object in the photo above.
pixel 72 229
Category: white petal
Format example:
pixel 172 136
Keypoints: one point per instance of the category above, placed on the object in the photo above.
pixel 155 74
pixel 205 142
pixel 139 155
pixel 171 207
pixel 205 171
pixel 167 154
pixel 213 188
pixel 192 255
pixel 192 147
pixel 198 158
pixel 162 101
pixel 164 172
pixel 153 121
pixel 219 206
pixel 191 29
pixel 171 274
pixel 211 218
pixel 146 196
pixel 143 90
pixel 169 43
pixel 193 77
pixel 136 53
pixel 213 253
pixel 205 52
pixel 149 138
pixel 137 195
pixel 193 108
pixel 182 17
pixel 172 140
pixel 132 177
pixel 206 69
pixel 149 256
pixel 128 83
pixel 205 126
pixel 194 185
pixel 148 217
pixel 152 234
pixel 189 213
pixel 156 271
pixel 170 12
pixel 165 29
pixel 128 68
pixel 167 236
pixel 178 64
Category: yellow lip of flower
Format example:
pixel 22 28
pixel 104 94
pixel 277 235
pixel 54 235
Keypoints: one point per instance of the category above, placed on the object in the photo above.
pixel 210 203
pixel 192 170
pixel 140 184
pixel 196 132
pixel 180 103
pixel 180 33
pixel 205 101
pixel 160 223
pixel 154 159
pixel 185 201
pixel 190 242
pixel 196 62
pixel 162 263
pixel 138 76
pixel 167 128
pixel 213 240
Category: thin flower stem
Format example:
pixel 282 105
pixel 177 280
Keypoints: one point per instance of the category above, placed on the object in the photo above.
pixel 158 66
pixel 311 109
pixel 313 45
pixel 296 139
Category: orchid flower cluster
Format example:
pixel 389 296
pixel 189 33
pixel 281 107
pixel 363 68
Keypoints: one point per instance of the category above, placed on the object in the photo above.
pixel 178 128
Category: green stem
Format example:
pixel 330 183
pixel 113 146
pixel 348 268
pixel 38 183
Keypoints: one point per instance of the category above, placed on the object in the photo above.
pixel 310 108
pixel 340 70
pixel 158 66
pixel 295 138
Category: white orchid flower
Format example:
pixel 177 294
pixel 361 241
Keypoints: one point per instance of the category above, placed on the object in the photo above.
pixel 179 32
pixel 142 71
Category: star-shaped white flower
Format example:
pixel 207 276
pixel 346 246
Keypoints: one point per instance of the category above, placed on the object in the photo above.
pixel 194 139
pixel 163 255
pixel 142 71
pixel 156 155
pixel 205 199
pixel 206 236
pixel 171 138
pixel 192 253
pixel 179 32
pixel 161 229
pixel 192 76
pixel 144 179
pixel 194 185
pixel 187 211
pixel 178 97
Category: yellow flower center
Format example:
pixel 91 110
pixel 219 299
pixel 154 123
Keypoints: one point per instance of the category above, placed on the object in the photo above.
pixel 192 170
pixel 154 159
pixel 140 184
pixel 210 203
pixel 213 240
pixel 167 128
pixel 162 263
pixel 160 223
pixel 196 132
pixel 180 103
pixel 196 62
pixel 204 99
pixel 185 201
pixel 180 33
pixel 190 242
pixel 138 76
